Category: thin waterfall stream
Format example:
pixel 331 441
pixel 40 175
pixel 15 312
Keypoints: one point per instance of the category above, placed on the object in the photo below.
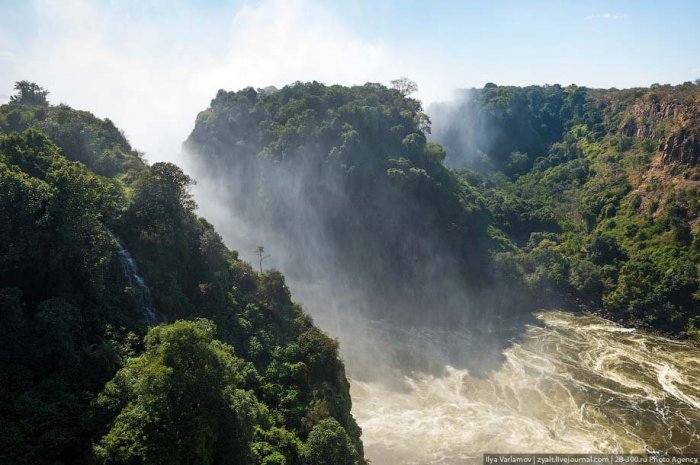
pixel 150 314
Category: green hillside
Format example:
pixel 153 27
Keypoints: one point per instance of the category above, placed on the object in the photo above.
pixel 598 190
pixel 347 185
pixel 556 195
pixel 238 375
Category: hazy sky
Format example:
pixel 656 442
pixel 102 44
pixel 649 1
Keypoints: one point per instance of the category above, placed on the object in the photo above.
pixel 152 65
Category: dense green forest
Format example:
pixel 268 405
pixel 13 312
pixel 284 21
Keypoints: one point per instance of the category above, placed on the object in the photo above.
pixel 556 196
pixel 597 191
pixel 542 195
pixel 239 375
pixel 347 183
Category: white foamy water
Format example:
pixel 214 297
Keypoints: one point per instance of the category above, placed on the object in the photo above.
pixel 575 384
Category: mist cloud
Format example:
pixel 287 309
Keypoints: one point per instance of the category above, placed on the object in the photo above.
pixel 151 67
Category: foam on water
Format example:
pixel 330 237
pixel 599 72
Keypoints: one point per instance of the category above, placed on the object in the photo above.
pixel 575 384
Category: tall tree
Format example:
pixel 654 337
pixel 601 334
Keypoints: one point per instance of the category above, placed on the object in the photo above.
pixel 178 402
pixel 29 93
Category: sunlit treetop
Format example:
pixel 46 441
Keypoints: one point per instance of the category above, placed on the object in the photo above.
pixel 29 93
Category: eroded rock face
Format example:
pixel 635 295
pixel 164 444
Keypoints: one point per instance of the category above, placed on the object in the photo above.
pixel 672 121
pixel 681 147
pixel 647 118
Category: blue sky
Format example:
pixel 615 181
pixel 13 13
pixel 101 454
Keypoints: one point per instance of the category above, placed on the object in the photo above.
pixel 152 65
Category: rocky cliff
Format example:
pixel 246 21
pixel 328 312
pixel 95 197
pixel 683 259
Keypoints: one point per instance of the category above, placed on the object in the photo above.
pixel 682 147
pixel 669 116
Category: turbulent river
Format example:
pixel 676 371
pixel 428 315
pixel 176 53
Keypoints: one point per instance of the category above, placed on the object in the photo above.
pixel 558 382
pixel 572 383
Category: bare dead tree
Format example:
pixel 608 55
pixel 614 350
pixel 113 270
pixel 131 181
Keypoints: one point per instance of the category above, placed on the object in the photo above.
pixel 405 86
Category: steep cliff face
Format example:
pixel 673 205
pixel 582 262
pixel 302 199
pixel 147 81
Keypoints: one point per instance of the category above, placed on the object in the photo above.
pixel 667 120
pixel 343 181
pixel 670 117
pixel 682 147
pixel 88 234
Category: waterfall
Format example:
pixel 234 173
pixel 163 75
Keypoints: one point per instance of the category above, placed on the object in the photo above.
pixel 150 314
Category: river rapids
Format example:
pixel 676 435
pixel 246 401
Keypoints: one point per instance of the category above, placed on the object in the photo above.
pixel 572 383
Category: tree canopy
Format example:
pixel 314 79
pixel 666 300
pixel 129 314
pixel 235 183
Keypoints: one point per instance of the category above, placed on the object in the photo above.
pixel 29 93
pixel 233 379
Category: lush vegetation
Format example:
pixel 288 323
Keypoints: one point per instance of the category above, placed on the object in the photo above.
pixel 240 375
pixel 558 194
pixel 596 191
pixel 346 180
